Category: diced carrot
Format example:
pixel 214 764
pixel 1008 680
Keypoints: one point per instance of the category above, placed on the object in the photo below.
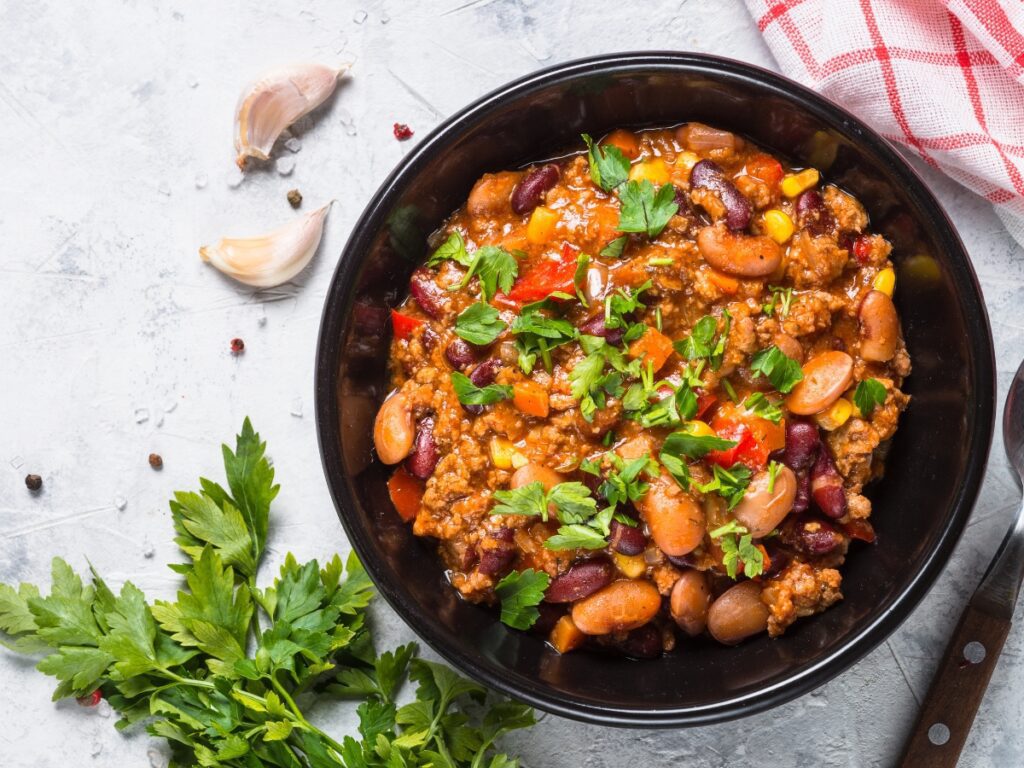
pixel 530 398
pixel 404 325
pixel 626 141
pixel 406 494
pixel 654 347
pixel 771 436
pixel 725 283
pixel 566 636
pixel 541 226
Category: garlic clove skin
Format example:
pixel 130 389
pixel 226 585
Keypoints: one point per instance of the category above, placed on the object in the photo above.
pixel 269 260
pixel 276 100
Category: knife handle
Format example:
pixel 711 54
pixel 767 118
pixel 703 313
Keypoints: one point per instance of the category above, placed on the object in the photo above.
pixel 947 714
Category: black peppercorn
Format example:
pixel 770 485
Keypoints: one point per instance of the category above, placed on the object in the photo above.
pixel 33 482
pixel 156 461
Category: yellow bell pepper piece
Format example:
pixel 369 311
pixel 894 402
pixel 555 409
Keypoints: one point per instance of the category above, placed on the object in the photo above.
pixel 654 171
pixel 541 226
pixel 795 183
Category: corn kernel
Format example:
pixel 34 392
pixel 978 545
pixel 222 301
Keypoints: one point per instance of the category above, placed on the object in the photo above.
pixel 654 171
pixel 682 166
pixel 501 451
pixel 698 429
pixel 835 415
pixel 885 281
pixel 541 226
pixel 795 183
pixel 778 225
pixel 518 460
pixel 631 566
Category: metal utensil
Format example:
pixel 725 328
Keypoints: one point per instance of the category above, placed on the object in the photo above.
pixel 963 674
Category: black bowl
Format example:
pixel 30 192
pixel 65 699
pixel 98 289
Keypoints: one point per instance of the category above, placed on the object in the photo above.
pixel 934 468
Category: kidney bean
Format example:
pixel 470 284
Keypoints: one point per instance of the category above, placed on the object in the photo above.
pixel 393 431
pixel 484 373
pixel 778 558
pixel 826 376
pixel 497 551
pixel 642 643
pixel 424 456
pixel 708 175
pixel 802 444
pixel 529 193
pixel 879 327
pixel 675 519
pixel 595 327
pixel 802 502
pixel 430 338
pixel 426 292
pixel 740 255
pixel 811 213
pixel 738 614
pixel 683 561
pixel 760 510
pixel 811 535
pixel 688 604
pixel 619 607
pixel 827 486
pixel 625 539
pixel 550 613
pixel 460 354
pixel 581 580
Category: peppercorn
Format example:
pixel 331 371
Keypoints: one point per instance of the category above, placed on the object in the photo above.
pixel 156 461
pixel 237 346
pixel 33 482
pixel 402 131
pixel 295 198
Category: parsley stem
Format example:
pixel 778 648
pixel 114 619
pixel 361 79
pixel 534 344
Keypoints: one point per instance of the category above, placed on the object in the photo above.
pixel 255 622
pixel 300 718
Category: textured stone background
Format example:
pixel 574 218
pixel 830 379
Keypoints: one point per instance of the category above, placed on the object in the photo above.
pixel 115 123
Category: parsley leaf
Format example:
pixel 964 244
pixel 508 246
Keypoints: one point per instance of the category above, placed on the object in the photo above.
pixel 623 482
pixel 608 166
pixel 454 248
pixel 520 594
pixel 530 499
pixel 783 372
pixel 577 537
pixel 644 210
pixel 615 247
pixel 494 267
pixel 731 484
pixel 479 324
pixel 761 406
pixel 537 334
pixel 702 344
pixel 590 384
pixel 869 394
pixel 470 394
pixel 783 297
pixel 579 278
pixel 619 305
pixel 572 504
pixel 738 546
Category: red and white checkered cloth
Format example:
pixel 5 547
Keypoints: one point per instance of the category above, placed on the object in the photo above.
pixel 944 78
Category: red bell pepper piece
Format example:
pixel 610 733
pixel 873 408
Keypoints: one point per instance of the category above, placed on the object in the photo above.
pixel 404 325
pixel 766 168
pixel 705 402
pixel 546 277
pixel 747 450
pixel 861 249
pixel 861 530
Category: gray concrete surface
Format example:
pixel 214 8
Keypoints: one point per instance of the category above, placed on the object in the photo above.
pixel 115 124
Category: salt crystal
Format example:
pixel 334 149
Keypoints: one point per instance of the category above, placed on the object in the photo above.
pixel 96 748
pixel 360 17
pixel 103 709
pixel 285 165
pixel 293 145
pixel 384 18
pixel 141 415
pixel 193 81
pixel 345 116
pixel 120 502
pixel 296 410
pixel 234 178
pixel 160 420
pixel 148 551
pixel 171 405
pixel 350 129
pixel 17 462
pixel 164 189
pixel 157 759
pixel 202 180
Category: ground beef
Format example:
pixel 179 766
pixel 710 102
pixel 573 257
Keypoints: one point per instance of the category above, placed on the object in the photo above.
pixel 849 214
pixel 800 590
pixel 815 262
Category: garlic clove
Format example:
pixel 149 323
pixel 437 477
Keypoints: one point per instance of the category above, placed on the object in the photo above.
pixel 271 259
pixel 276 100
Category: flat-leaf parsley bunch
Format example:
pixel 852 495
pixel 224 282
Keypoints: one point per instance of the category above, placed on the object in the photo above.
pixel 226 672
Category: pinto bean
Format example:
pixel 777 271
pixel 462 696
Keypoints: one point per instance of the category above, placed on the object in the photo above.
pixel 879 327
pixel 827 486
pixel 675 519
pixel 625 539
pixel 738 613
pixel 424 456
pixel 826 376
pixel 491 194
pixel 708 175
pixel 689 602
pixel 581 580
pixel 619 607
pixel 789 346
pixel 802 444
pixel 740 255
pixel 529 193
pixel 427 293
pixel 697 136
pixel 595 284
pixel 535 473
pixel 760 511
pixel 393 431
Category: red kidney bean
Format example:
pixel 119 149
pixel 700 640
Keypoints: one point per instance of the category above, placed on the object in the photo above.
pixel 708 175
pixel 625 539
pixel 581 580
pixel 778 557
pixel 803 491
pixel 430 338
pixel 460 354
pixel 529 193
pixel 811 535
pixel 811 213
pixel 802 445
pixel 682 561
pixel 468 558
pixel 426 292
pixel 484 373
pixel 497 552
pixel 595 327
pixel 424 456
pixel 827 486
pixel 642 643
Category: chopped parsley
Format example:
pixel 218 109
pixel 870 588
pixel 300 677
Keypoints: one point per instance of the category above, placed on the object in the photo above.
pixel 686 443
pixel 579 278
pixel 520 593
pixel 738 546
pixel 731 484
pixel 869 394
pixel 537 334
pixel 703 344
pixel 582 525
pixel 479 324
pixel 454 248
pixel 644 210
pixel 783 372
pixel 781 298
pixel 761 406
pixel 622 303
pixel 615 248
pixel 670 410
pixel 773 472
pixel 494 267
pixel 623 483
pixel 590 383
pixel 729 390
pixel 470 394
pixel 608 166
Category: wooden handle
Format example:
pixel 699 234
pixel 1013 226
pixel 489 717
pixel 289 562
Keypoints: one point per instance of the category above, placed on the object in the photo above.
pixel 957 690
